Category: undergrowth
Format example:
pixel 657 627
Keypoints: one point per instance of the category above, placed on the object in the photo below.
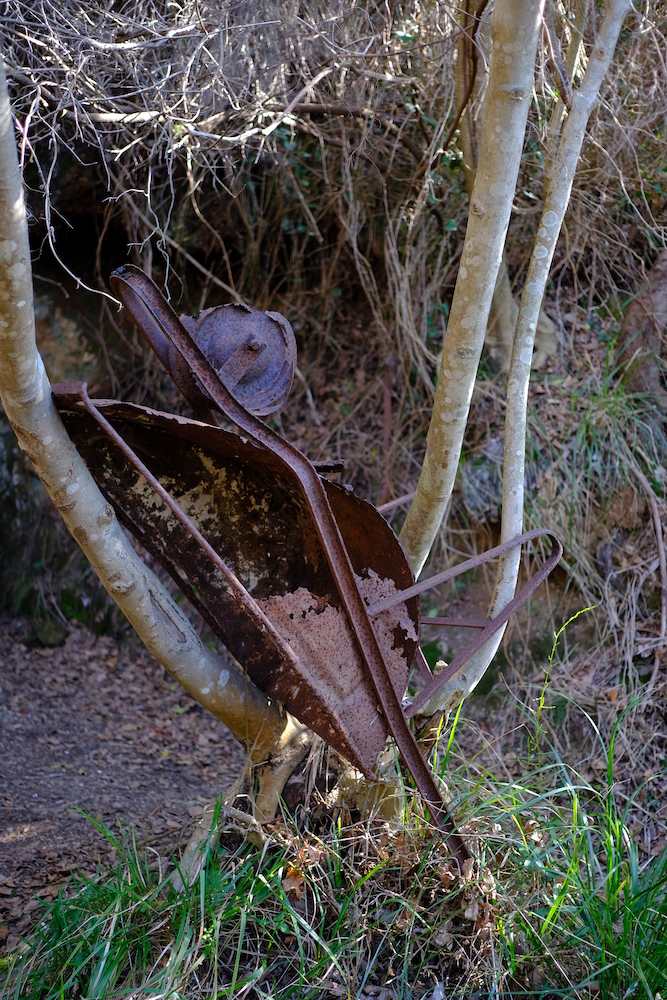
pixel 557 902
pixel 350 221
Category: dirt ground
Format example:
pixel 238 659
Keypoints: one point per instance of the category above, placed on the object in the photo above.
pixel 88 726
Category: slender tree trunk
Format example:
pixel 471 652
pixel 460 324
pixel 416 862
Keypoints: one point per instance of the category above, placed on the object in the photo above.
pixel 555 206
pixel 514 32
pixel 214 681
pixel 474 46
pixel 558 196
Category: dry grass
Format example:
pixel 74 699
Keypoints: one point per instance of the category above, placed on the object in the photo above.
pixel 287 208
pixel 351 225
pixel 560 900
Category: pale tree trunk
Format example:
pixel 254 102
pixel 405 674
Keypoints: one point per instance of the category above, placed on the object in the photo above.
pixel 473 49
pixel 273 739
pixel 555 206
pixel 515 29
pixel 558 196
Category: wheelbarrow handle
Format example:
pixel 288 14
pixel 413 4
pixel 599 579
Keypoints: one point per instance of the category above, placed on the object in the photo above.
pixel 454 571
pixel 493 624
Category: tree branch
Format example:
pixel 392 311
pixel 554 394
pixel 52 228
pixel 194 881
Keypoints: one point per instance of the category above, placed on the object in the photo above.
pixel 571 61
pixel 556 57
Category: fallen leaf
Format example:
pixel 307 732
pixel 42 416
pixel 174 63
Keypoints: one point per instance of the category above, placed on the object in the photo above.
pixel 52 891
pixel 403 921
pixel 468 867
pixel 310 854
pixel 443 937
pixel 294 884
pixel 446 875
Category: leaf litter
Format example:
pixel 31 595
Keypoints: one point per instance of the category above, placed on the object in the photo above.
pixel 88 729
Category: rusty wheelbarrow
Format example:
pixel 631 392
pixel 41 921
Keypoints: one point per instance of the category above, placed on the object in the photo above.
pixel 302 580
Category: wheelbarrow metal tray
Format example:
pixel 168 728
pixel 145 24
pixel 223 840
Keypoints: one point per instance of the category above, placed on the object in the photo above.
pixel 253 516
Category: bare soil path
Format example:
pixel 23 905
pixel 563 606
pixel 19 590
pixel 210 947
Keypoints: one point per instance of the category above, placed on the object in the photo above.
pixel 88 726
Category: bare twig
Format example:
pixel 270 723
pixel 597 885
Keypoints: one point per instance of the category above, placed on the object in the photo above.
pixel 188 256
pixel 556 56
pixel 471 47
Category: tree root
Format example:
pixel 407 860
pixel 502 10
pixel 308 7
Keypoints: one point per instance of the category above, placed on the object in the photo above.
pixel 270 777
pixel 214 819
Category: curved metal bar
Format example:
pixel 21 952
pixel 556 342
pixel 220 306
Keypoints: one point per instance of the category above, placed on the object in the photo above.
pixel 458 622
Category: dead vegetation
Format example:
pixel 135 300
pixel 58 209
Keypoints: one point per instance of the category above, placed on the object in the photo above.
pixel 303 159
pixel 329 904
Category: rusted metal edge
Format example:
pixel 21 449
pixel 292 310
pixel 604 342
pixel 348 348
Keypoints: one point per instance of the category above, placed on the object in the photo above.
pixel 248 603
pixel 79 392
pixel 275 677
